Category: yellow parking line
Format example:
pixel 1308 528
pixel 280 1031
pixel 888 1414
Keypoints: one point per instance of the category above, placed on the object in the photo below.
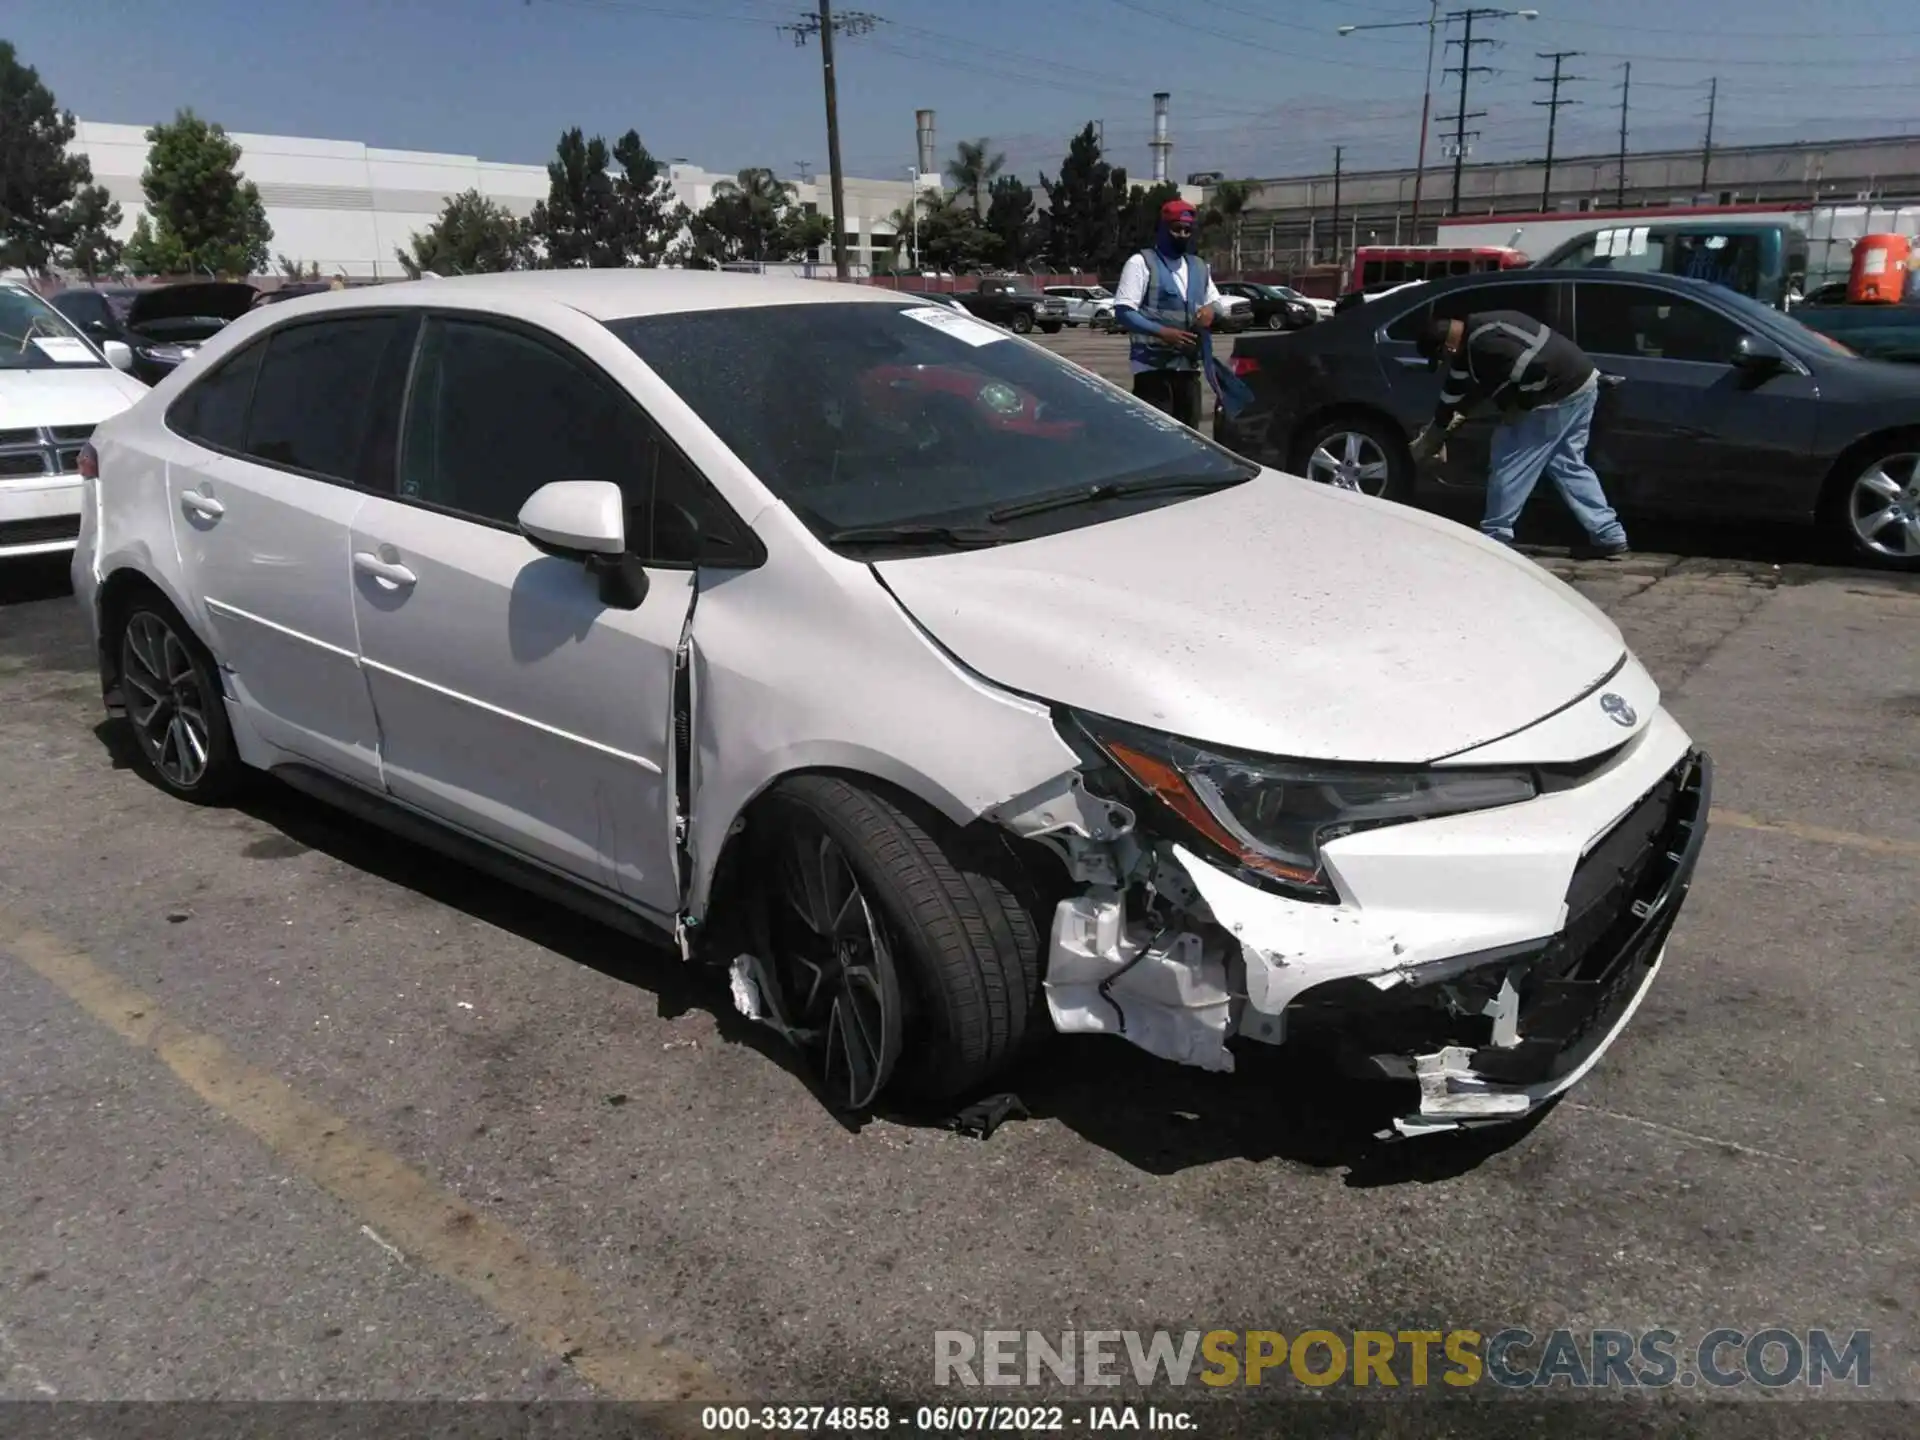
pixel 1882 844
pixel 551 1307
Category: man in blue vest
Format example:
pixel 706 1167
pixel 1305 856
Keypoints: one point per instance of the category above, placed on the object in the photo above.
pixel 1166 298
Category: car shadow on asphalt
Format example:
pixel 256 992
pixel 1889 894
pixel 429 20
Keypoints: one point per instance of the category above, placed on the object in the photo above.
pixel 1159 1117
pixel 1287 1105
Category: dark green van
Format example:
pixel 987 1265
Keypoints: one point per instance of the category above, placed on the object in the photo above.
pixel 1762 258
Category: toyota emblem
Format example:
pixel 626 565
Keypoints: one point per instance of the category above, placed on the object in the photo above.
pixel 1618 709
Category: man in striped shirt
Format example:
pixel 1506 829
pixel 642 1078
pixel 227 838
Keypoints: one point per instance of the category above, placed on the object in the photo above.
pixel 1545 389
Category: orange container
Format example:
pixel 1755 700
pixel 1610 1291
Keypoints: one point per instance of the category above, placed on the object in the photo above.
pixel 1879 270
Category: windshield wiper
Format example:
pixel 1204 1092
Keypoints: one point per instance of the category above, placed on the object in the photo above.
pixel 1114 490
pixel 915 534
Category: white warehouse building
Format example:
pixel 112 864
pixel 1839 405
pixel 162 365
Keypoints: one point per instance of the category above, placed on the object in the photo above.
pixel 347 207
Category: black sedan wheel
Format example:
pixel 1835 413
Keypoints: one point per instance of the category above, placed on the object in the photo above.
pixel 1277 320
pixel 1883 510
pixel 1359 454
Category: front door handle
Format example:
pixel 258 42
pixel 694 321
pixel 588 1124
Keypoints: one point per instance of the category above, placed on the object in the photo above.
pixel 205 506
pixel 1412 362
pixel 391 571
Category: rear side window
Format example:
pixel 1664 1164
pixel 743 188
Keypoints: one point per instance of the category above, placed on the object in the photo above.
pixel 213 412
pixel 1534 299
pixel 314 404
pixel 495 414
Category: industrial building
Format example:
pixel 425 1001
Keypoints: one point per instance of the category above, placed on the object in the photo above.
pixel 347 206
pixel 1297 221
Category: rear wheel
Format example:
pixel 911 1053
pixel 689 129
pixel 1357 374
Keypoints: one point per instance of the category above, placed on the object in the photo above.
pixel 1879 512
pixel 1358 453
pixel 906 957
pixel 171 690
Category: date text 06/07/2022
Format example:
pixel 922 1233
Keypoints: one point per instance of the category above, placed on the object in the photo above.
pixel 940 1419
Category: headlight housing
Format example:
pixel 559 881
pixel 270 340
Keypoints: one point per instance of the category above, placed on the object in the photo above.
pixel 1268 819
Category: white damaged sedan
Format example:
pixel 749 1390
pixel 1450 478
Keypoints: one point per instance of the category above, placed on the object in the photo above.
pixel 923 682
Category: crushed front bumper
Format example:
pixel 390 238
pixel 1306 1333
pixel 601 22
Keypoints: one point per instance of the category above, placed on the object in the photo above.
pixel 1484 961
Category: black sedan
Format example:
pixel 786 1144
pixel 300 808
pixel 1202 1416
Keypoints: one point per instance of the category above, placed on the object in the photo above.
pixel 161 324
pixel 1719 407
pixel 1273 308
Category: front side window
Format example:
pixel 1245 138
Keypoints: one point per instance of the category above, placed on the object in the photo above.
pixel 35 336
pixel 1533 299
pixel 1649 324
pixel 496 413
pixel 864 414
pixel 314 403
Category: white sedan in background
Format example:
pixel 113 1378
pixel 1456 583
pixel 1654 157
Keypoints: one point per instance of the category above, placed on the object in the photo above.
pixel 916 679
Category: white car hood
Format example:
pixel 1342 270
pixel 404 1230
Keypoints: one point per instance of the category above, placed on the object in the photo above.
pixel 1280 617
pixel 67 395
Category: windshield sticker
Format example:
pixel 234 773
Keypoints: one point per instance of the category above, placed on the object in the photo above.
pixel 1637 241
pixel 961 327
pixel 65 350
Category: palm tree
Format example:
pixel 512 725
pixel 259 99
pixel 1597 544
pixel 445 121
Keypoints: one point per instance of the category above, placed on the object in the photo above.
pixel 1230 199
pixel 764 196
pixel 973 170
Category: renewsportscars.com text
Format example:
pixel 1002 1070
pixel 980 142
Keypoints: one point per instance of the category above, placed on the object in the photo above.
pixel 1515 1358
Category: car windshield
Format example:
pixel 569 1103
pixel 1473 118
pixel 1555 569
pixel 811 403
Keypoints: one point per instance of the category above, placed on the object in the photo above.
pixel 862 414
pixel 35 336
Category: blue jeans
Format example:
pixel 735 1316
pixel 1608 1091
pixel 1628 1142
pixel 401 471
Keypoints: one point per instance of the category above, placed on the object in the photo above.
pixel 1553 440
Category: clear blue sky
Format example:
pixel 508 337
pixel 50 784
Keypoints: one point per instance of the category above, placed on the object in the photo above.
pixel 1260 87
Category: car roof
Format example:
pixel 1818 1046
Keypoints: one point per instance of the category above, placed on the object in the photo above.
pixel 1679 284
pixel 603 294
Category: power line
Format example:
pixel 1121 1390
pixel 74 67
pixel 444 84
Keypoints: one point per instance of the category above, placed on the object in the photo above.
pixel 823 26
pixel 1553 104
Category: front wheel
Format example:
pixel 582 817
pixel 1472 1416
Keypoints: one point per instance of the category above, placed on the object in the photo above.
pixel 905 956
pixel 1358 453
pixel 1022 323
pixel 1879 512
pixel 1277 321
pixel 174 705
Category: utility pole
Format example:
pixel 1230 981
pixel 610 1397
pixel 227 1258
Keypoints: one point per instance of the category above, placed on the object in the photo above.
pixel 1426 103
pixel 1556 80
pixel 1626 86
pixel 1467 69
pixel 1337 150
pixel 855 22
pixel 1706 150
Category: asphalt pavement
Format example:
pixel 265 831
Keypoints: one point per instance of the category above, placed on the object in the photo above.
pixel 292 1110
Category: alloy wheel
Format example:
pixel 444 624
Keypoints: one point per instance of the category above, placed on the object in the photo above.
pixel 1351 460
pixel 166 700
pixel 1277 320
pixel 1884 507
pixel 833 962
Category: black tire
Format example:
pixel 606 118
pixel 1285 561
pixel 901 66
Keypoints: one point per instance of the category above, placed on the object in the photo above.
pixel 961 919
pixel 1277 320
pixel 1050 329
pixel 1022 323
pixel 170 687
pixel 1851 498
pixel 1384 437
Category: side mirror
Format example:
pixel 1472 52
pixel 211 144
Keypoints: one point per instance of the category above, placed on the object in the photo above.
pixel 585 520
pixel 119 354
pixel 1759 356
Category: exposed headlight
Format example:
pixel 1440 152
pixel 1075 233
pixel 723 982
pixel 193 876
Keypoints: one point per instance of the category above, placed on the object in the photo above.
pixel 1269 818
pixel 162 354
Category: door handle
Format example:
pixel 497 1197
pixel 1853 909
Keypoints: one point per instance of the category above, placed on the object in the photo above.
pixel 1412 362
pixel 205 506
pixel 391 571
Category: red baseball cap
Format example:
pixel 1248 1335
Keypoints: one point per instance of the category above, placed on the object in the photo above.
pixel 1176 210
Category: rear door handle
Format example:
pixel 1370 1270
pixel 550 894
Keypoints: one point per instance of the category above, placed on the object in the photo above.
pixel 194 503
pixel 391 571
pixel 1412 362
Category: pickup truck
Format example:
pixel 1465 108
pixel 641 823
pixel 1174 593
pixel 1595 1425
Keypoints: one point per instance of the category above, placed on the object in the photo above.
pixel 1005 301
